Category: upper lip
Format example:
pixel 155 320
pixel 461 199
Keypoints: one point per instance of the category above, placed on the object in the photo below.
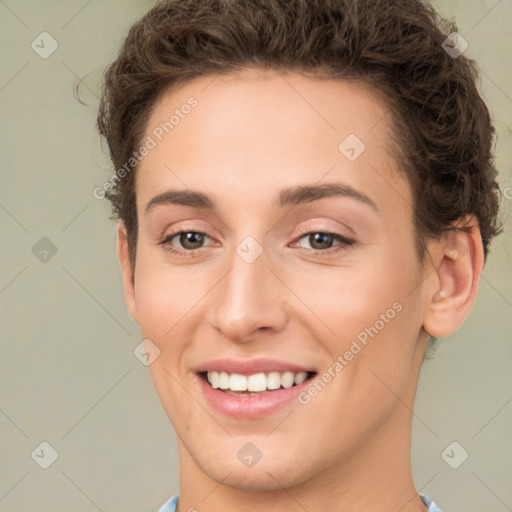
pixel 250 367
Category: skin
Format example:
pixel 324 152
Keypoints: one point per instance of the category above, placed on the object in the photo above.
pixel 250 136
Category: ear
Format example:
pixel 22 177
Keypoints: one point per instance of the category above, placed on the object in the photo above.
pixel 459 261
pixel 123 256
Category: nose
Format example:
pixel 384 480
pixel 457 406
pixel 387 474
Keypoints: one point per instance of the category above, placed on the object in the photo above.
pixel 249 298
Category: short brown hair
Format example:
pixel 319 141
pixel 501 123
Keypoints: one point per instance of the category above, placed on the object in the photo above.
pixel 442 124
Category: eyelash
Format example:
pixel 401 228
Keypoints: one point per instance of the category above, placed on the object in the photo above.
pixel 345 242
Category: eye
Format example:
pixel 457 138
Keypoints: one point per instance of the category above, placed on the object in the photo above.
pixel 187 241
pixel 321 241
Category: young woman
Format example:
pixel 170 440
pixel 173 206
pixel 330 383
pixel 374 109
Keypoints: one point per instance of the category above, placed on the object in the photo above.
pixel 306 196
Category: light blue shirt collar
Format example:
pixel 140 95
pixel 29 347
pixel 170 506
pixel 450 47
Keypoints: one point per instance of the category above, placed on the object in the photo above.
pixel 170 505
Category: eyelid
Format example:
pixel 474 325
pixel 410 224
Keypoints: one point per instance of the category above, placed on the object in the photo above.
pixel 195 226
pixel 173 234
pixel 307 230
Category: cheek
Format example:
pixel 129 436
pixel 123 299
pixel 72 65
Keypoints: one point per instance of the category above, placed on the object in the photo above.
pixel 346 301
pixel 171 303
pixel 163 294
pixel 366 314
pixel 376 326
pixel 155 302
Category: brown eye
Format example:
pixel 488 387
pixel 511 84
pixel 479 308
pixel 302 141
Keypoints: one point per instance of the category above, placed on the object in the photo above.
pixel 186 243
pixel 321 240
pixel 191 240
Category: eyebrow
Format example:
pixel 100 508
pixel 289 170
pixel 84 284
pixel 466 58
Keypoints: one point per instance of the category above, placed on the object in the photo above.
pixel 287 197
pixel 308 193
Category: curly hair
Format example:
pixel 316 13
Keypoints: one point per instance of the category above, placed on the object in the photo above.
pixel 442 128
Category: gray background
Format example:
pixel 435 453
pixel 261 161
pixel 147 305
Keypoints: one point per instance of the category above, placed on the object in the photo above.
pixel 68 375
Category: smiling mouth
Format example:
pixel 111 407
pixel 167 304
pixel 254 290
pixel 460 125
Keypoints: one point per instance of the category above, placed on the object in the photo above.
pixel 255 384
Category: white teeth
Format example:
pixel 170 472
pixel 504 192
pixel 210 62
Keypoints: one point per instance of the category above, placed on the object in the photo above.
pixel 237 382
pixel 300 377
pixel 273 380
pixel 214 379
pixel 223 380
pixel 257 382
pixel 287 380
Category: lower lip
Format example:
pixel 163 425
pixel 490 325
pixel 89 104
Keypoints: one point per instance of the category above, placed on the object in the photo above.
pixel 250 407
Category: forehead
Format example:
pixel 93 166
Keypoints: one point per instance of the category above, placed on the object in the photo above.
pixel 270 130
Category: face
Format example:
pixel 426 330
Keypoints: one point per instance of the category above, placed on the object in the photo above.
pixel 276 244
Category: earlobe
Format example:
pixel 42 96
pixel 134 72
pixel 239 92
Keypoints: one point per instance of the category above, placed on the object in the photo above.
pixel 459 264
pixel 123 256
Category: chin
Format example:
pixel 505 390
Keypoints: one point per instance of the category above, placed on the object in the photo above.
pixel 262 479
pixel 270 473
